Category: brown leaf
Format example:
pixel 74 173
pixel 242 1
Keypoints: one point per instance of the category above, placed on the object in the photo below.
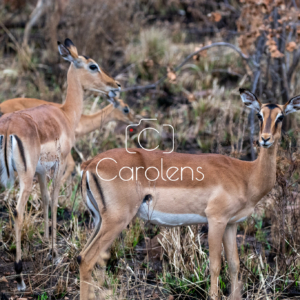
pixel 291 46
pixel 3 279
pixel 215 16
pixel 171 75
pixel 191 97
pixel 277 54
pixel 148 63
pixel 202 53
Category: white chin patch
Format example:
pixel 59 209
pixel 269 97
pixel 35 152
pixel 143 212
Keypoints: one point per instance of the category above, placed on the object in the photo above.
pixel 112 94
pixel 21 286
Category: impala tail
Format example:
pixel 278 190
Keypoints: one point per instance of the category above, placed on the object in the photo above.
pixel 89 195
pixel 90 186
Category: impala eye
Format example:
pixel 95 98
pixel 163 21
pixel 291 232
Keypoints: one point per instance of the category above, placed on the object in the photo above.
pixel 280 118
pixel 93 67
pixel 259 117
pixel 126 110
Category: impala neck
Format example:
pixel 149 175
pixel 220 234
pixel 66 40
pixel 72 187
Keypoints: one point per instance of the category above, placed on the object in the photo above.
pixel 263 176
pixel 74 100
pixel 89 123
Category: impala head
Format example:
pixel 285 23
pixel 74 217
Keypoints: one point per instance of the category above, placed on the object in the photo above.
pixel 92 77
pixel 122 112
pixel 270 116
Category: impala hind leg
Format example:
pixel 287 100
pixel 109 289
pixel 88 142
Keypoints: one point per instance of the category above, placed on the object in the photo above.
pixel 25 190
pixel 215 235
pixel 232 256
pixel 46 199
pixel 98 250
pixel 55 193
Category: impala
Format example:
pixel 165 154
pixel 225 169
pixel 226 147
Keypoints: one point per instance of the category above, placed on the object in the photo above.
pixel 36 139
pixel 227 195
pixel 116 111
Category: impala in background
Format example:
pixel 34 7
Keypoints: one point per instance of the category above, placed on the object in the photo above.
pixel 116 111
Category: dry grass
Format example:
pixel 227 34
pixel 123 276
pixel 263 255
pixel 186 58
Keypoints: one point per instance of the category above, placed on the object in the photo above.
pixel 204 107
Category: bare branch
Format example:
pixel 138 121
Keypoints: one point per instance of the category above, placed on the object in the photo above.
pixel 294 65
pixel 162 79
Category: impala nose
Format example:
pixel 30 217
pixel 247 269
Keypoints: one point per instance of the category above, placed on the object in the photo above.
pixel 265 140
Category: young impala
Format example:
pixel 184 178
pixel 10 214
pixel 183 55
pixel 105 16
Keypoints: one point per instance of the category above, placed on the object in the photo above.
pixel 36 139
pixel 180 189
pixel 117 111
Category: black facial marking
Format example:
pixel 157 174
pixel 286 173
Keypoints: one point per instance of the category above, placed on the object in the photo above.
pixel 279 120
pixel 18 267
pixel 272 106
pixel 21 149
pixel 99 190
pixel 5 156
pixel 86 57
pixel 79 259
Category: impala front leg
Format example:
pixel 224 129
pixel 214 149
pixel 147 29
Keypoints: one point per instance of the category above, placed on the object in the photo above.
pixel 45 197
pixel 55 193
pixel 215 235
pixel 232 256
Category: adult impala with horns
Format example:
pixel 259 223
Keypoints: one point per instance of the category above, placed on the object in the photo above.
pixel 226 196
pixel 36 139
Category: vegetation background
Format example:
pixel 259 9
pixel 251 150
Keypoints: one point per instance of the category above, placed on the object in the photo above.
pixel 139 42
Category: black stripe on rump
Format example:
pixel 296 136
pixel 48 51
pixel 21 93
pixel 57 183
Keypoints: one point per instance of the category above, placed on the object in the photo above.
pixel 22 152
pixel 5 156
pixel 91 197
pixel 1 144
pixel 99 190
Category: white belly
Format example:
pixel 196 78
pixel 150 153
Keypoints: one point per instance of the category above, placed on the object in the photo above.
pixel 147 213
pixel 239 220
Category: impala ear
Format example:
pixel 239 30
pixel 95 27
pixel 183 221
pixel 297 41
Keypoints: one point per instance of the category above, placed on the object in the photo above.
pixel 292 105
pixel 71 47
pixel 69 52
pixel 250 100
pixel 64 52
